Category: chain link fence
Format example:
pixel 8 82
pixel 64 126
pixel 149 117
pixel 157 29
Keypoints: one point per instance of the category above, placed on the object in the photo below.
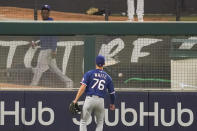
pixel 132 61
pixel 112 10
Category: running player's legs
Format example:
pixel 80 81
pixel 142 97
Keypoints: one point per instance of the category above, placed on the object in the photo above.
pixel 86 113
pixel 99 112
pixel 56 70
pixel 42 66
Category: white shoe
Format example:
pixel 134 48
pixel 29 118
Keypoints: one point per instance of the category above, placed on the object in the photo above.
pixel 140 19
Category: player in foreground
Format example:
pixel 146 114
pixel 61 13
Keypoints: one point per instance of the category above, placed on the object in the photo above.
pixel 95 84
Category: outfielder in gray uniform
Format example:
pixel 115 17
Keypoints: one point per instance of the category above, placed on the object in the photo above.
pixel 46 58
pixel 139 11
pixel 95 84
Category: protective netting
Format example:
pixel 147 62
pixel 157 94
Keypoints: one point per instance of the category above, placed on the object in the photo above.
pixel 131 61
pixel 21 64
pixel 150 61
pixel 95 10
pixel 60 10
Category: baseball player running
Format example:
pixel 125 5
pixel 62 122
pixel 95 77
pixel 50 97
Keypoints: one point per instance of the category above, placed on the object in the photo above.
pixel 46 58
pixel 95 84
pixel 139 11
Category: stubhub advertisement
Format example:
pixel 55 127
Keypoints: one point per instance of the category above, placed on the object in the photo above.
pixel 139 111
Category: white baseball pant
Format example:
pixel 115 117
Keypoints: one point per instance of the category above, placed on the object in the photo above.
pixel 45 62
pixel 96 104
pixel 131 9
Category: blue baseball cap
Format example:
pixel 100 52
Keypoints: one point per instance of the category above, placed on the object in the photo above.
pixel 46 7
pixel 100 60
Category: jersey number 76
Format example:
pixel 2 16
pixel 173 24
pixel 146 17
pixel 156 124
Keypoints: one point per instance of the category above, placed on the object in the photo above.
pixel 100 84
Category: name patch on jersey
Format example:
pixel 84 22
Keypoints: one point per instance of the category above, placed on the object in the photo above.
pixel 100 75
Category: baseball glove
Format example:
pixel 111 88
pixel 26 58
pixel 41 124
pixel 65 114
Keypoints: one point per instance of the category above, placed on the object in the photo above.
pixel 74 108
pixel 92 10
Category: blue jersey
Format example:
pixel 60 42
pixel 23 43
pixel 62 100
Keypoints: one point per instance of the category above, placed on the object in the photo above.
pixel 48 42
pixel 97 82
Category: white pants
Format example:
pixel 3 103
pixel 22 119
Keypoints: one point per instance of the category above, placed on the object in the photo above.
pixel 45 62
pixel 93 104
pixel 131 8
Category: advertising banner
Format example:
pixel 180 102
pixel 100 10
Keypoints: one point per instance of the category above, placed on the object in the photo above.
pixel 139 111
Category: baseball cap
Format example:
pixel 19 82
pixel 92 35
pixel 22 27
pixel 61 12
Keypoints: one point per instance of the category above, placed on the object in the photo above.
pixel 100 60
pixel 46 7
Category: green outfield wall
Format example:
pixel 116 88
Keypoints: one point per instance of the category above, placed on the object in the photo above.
pixel 137 54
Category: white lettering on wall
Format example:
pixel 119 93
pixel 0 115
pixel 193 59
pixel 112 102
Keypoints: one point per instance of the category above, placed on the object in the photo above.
pixel 138 45
pixel 106 50
pixel 69 45
pixel 17 111
pixel 142 116
pixel 188 45
pixel 13 45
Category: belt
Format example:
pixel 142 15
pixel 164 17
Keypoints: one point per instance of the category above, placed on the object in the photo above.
pixel 94 96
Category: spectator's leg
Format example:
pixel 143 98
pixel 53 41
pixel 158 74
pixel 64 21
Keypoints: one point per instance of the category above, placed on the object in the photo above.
pixel 130 10
pixel 140 10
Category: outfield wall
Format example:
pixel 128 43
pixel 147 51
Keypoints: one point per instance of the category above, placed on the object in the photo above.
pixel 139 111
pixel 137 54
pixel 143 61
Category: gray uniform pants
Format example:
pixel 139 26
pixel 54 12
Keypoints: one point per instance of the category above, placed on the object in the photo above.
pixel 45 62
pixel 131 8
pixel 93 104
